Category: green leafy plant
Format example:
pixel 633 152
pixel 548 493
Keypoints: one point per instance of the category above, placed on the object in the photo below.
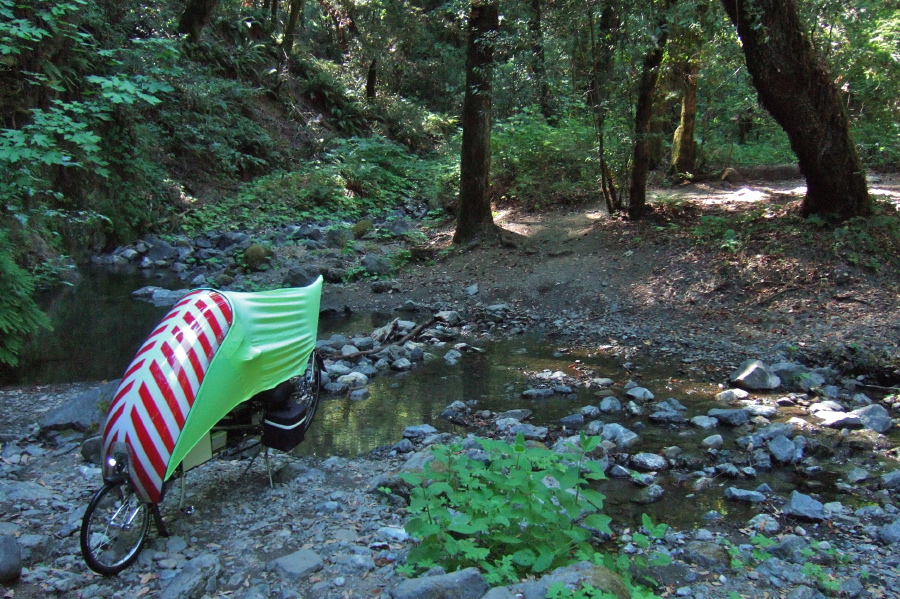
pixel 19 314
pixel 524 511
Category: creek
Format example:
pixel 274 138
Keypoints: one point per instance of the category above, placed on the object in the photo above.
pixel 98 327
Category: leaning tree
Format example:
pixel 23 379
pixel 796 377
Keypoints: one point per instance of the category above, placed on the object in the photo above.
pixel 794 84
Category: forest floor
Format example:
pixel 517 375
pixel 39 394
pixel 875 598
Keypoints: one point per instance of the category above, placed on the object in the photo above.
pixel 716 271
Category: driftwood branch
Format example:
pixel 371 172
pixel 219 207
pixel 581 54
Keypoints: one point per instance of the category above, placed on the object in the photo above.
pixel 376 350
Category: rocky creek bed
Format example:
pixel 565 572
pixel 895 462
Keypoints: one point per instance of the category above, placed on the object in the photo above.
pixel 327 529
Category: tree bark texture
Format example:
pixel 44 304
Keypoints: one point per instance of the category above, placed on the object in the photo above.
pixel 538 61
pixel 474 216
pixel 195 17
pixel 795 86
pixel 643 120
pixel 603 47
pixel 684 146
pixel 372 79
pixel 290 29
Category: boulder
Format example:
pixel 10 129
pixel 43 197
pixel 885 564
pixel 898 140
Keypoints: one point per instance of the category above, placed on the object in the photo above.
pixel 753 375
pixel 464 584
pixel 85 413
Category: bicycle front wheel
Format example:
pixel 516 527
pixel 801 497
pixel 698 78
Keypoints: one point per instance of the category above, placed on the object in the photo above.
pixel 309 389
pixel 114 529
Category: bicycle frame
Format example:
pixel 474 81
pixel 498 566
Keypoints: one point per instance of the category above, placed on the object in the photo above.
pixel 213 351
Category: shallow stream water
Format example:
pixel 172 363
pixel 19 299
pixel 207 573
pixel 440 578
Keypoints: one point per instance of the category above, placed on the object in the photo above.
pixel 98 327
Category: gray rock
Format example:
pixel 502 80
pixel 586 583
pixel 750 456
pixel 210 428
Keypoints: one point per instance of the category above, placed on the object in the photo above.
pixel 26 491
pixel 890 533
pixel 640 394
pixel 764 523
pixel 775 429
pixel 301 275
pixel 464 584
pixel 418 432
pixel 354 380
pixel 712 442
pixel 610 405
pixel 804 507
pixel 573 577
pixel 87 412
pixel 648 495
pixel 360 394
pixel 296 566
pixel 91 448
pixel 729 417
pixel 648 462
pixel 735 494
pixel 195 578
pixel 891 480
pixel 839 420
pixel 451 317
pixel 667 417
pixel 874 417
pixel 782 449
pixel 572 421
pixel 534 433
pixel 401 365
pixel 537 393
pixel 10 559
pixel 761 410
pixel 753 375
pixel 730 395
pixel 704 422
pixel 376 265
pixel 790 548
pixel 619 435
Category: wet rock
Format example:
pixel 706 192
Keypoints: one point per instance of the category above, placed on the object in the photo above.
pixel 610 405
pixel 874 417
pixel 736 494
pixel 649 495
pixel 10 559
pixel 804 507
pixel 648 462
pixel 464 584
pixel 618 434
pixel 712 442
pixel 753 375
pixel 839 420
pixel 782 449
pixel 729 417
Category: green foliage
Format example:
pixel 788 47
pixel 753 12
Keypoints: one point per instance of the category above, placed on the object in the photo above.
pixel 526 511
pixel 537 165
pixel 19 314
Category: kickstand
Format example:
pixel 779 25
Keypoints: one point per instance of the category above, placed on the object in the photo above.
pixel 157 518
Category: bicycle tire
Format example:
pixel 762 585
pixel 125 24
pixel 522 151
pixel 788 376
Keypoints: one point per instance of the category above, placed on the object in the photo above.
pixel 309 389
pixel 114 529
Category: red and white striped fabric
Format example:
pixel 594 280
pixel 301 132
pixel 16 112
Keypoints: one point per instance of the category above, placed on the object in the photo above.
pixel 158 390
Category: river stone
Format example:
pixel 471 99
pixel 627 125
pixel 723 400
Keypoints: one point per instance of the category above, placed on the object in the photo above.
pixel 84 413
pixel 10 559
pixel 839 420
pixel 729 417
pixel 753 375
pixel 301 275
pixel 736 494
pixel 761 410
pixel 764 523
pixel 418 432
pixel 610 405
pixel 730 395
pixel 196 576
pixel 712 442
pixel 452 357
pixel 464 584
pixel 704 422
pixel 775 429
pixel 890 533
pixel 639 394
pixel 619 435
pixel 27 491
pixel 533 433
pixel 826 406
pixel 401 365
pixel 667 417
pixel 874 417
pixel 648 462
pixel 804 507
pixel 296 566
pixel 891 480
pixel 651 494
pixel 782 449
pixel 575 421
pixel 706 555
pixel 790 548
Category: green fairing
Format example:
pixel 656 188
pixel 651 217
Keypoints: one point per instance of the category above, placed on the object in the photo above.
pixel 271 340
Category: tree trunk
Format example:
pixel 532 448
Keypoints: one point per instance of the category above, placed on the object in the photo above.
pixel 275 6
pixel 195 16
pixel 474 216
pixel 602 55
pixel 795 86
pixel 372 79
pixel 643 119
pixel 290 30
pixel 684 146
pixel 538 63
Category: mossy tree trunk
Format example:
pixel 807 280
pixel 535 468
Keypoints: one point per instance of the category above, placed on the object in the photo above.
pixel 795 86
pixel 474 218
pixel 295 18
pixel 684 146
pixel 643 121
